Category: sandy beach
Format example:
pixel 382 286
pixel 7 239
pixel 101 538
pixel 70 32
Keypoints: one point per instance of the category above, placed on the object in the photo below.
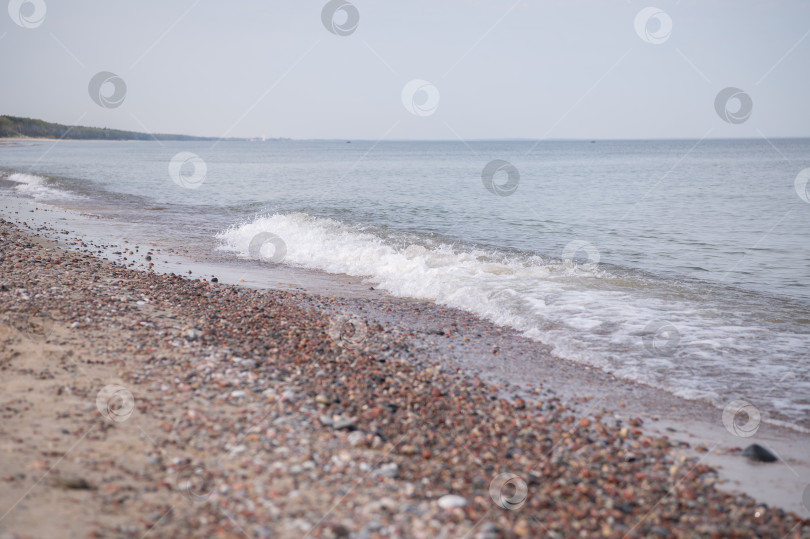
pixel 143 404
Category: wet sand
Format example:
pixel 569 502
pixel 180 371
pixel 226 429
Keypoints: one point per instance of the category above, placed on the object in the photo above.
pixel 285 413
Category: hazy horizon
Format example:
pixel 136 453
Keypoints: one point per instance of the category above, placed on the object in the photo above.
pixel 464 70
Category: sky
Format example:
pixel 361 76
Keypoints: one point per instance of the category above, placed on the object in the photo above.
pixel 422 69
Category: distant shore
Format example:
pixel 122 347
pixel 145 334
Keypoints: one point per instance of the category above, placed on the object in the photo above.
pixel 230 411
pixel 15 126
pixel 13 140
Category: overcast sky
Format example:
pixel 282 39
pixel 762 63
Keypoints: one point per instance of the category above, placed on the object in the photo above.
pixel 496 68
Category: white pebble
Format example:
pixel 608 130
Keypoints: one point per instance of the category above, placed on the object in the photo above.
pixel 451 501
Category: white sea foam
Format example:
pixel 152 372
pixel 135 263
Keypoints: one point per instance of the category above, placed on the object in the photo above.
pixel 36 187
pixel 587 314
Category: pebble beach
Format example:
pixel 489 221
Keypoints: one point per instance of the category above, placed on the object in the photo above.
pixel 141 404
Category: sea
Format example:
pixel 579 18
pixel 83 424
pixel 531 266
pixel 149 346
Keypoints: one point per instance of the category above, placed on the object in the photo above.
pixel 680 264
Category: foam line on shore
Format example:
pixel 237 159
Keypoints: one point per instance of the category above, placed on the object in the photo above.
pixel 588 314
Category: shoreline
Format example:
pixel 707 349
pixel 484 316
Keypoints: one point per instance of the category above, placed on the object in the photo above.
pixel 7 141
pixel 437 430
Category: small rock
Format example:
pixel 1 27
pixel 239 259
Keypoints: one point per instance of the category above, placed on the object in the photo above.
pixel 451 501
pixel 377 506
pixel 191 335
pixel 356 438
pixel 71 483
pixel 487 530
pixel 389 470
pixel 343 424
pixel 758 453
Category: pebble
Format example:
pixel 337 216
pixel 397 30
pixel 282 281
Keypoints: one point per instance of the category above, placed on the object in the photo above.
pixel 344 424
pixel 451 501
pixel 388 470
pixel 758 453
pixel 356 438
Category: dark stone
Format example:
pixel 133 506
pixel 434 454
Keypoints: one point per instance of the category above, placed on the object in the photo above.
pixel 626 509
pixel 71 483
pixel 344 424
pixel 758 453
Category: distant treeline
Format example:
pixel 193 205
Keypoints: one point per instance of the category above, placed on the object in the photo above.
pixel 11 126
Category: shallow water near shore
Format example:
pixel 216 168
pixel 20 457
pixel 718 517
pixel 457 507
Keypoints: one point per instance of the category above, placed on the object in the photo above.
pixel 678 265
